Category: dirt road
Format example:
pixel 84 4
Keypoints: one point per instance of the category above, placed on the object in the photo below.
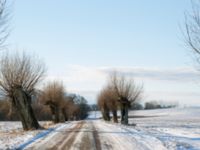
pixel 94 135
pixel 75 135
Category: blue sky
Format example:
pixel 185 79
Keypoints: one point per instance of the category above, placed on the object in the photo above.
pixel 79 40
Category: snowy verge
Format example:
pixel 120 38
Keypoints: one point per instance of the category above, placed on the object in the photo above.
pixel 12 136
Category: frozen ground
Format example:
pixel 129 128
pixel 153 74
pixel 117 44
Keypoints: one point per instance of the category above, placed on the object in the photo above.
pixel 174 129
pixel 12 135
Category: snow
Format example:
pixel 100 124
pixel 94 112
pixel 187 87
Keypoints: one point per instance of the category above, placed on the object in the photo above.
pixel 94 115
pixel 12 134
pixel 161 129
pixel 173 129
pixel 119 137
pixel 72 136
pixel 176 128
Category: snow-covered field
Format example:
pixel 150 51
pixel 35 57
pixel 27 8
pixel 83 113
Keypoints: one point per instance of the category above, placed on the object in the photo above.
pixel 174 129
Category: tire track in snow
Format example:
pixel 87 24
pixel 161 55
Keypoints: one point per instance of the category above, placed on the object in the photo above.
pixel 41 136
pixel 96 138
pixel 167 140
pixel 52 139
pixel 69 141
pixel 88 138
pixel 120 137
pixel 170 141
pixel 78 135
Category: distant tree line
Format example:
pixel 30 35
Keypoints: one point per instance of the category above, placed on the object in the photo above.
pixel 158 105
pixel 152 105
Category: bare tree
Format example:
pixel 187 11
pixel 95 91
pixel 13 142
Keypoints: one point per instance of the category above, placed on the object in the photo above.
pixel 127 92
pixel 19 74
pixel 103 105
pixel 68 107
pixel 83 107
pixel 53 95
pixel 75 107
pixel 112 102
pixel 192 28
pixel 64 107
pixel 4 17
pixel 107 101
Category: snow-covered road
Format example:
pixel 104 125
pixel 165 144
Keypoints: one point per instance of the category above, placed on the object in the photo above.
pixel 95 135
pixel 74 135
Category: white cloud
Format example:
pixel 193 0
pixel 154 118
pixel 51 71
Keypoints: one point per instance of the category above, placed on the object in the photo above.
pixel 173 74
pixel 87 81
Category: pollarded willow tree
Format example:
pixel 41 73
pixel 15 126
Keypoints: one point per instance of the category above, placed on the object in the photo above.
pixel 19 75
pixel 68 107
pixel 75 107
pixel 127 91
pixel 53 95
pixel 103 106
pixel 107 101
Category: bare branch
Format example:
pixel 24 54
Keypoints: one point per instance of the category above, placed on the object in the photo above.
pixel 125 88
pixel 53 93
pixel 20 70
pixel 4 19
pixel 192 28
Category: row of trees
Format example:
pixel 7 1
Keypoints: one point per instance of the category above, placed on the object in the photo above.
pixel 76 108
pixel 7 113
pixel 119 93
pixel 63 107
pixel 159 105
pixel 153 105
pixel 19 76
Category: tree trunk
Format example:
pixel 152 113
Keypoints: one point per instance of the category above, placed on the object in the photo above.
pixel 122 113
pixel 22 103
pixel 52 112
pixel 56 115
pixel 126 115
pixel 103 114
pixel 65 114
pixel 115 116
pixel 61 116
pixel 107 113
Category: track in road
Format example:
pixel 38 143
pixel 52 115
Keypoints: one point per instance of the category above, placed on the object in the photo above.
pixel 95 135
pixel 76 135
